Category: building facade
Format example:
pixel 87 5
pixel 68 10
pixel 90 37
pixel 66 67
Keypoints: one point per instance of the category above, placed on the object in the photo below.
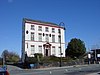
pixel 42 37
pixel 95 55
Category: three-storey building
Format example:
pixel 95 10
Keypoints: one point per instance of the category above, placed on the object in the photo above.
pixel 42 37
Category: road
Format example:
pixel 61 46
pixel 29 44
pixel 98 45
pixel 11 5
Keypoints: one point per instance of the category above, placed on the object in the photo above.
pixel 68 70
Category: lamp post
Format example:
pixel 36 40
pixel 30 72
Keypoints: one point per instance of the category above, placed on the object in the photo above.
pixel 61 23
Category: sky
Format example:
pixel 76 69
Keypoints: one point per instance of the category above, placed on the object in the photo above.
pixel 81 19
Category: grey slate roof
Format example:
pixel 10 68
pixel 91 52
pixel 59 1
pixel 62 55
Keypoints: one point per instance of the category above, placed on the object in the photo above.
pixel 26 19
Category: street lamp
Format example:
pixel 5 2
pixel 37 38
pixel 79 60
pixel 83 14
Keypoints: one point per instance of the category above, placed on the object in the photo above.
pixel 61 23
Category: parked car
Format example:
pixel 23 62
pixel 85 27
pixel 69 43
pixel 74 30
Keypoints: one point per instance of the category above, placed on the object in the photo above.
pixel 3 71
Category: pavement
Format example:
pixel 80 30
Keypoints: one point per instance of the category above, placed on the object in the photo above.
pixel 10 67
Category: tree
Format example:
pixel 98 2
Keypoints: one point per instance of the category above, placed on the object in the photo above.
pixel 10 56
pixel 76 48
pixel 13 57
pixel 39 57
pixel 1 63
pixel 36 59
pixel 5 55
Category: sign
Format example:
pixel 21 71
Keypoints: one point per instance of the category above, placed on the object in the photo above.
pixel 89 56
pixel 98 55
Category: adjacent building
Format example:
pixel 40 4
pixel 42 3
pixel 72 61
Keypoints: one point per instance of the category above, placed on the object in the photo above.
pixel 42 37
pixel 95 55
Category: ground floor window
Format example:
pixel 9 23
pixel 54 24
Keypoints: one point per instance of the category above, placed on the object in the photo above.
pixel 40 49
pixel 32 49
pixel 53 50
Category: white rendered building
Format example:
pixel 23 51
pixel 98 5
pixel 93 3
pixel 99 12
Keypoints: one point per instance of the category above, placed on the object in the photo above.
pixel 42 37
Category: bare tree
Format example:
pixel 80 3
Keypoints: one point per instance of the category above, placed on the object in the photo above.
pixel 10 56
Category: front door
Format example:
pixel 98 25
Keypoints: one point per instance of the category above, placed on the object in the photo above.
pixel 46 52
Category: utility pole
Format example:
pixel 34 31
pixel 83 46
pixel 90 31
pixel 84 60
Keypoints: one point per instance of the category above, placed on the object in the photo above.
pixel 95 56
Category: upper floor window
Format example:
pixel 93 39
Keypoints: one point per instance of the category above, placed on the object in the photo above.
pixel 32 27
pixel 53 38
pixel 59 30
pixel 53 30
pixel 59 38
pixel 39 28
pixel 47 37
pixel 32 36
pixel 46 29
pixel 40 37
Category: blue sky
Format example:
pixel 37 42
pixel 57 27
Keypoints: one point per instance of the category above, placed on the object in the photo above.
pixel 81 18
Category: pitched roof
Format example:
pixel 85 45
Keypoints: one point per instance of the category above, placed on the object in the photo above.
pixel 26 19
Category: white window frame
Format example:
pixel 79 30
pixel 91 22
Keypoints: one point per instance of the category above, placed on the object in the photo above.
pixel 40 49
pixel 32 49
pixel 59 38
pixel 59 30
pixel 59 52
pixel 32 27
pixel 39 36
pixel 53 30
pixel 32 36
pixel 46 29
pixel 47 37
pixel 53 50
pixel 39 28
pixel 53 38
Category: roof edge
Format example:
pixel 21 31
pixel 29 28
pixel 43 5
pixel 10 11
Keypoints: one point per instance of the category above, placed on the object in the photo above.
pixel 27 19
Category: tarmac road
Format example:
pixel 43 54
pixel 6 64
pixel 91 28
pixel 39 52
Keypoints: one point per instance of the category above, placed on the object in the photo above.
pixel 68 70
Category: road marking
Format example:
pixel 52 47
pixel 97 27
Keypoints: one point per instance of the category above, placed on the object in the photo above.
pixel 50 72
pixel 66 70
pixel 80 68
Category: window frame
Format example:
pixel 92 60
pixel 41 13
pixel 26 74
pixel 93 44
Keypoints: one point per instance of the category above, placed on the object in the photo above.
pixel 39 37
pixel 47 37
pixel 32 27
pixel 40 48
pixel 53 38
pixel 53 30
pixel 32 49
pixel 59 38
pixel 59 51
pixel 32 36
pixel 53 50
pixel 59 30
pixel 46 29
pixel 39 28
